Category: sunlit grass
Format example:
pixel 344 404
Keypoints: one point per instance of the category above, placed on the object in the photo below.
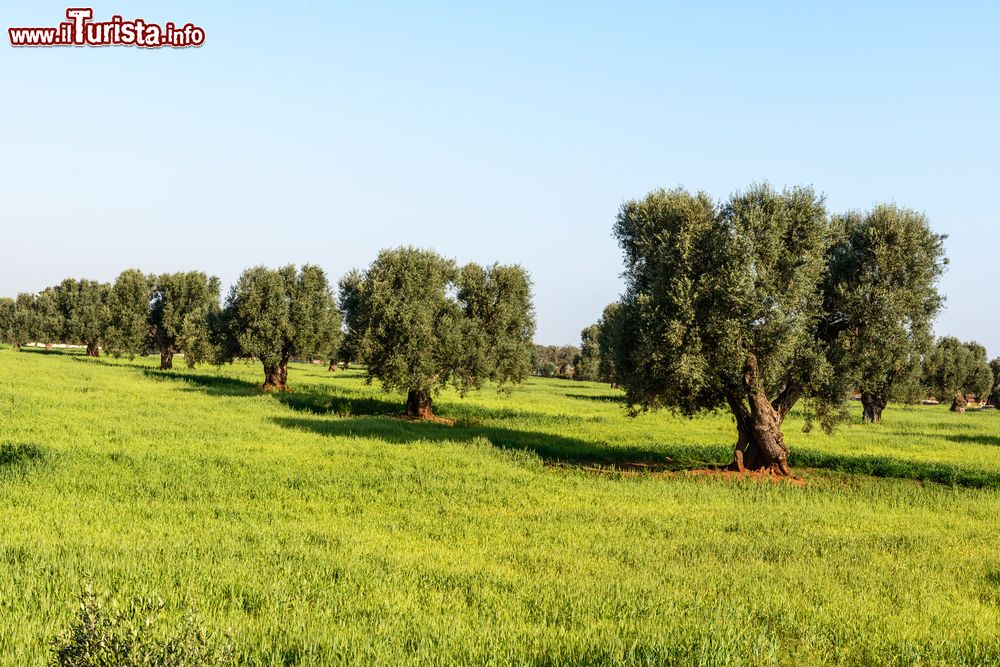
pixel 323 530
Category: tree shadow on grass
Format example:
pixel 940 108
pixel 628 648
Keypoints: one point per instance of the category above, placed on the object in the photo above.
pixel 887 466
pixel 598 397
pixel 965 439
pixel 549 447
pixel 308 399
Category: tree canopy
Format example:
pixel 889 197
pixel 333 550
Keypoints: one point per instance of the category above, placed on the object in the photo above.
pixel 745 304
pixel 421 322
pixel 274 315
pixel 881 299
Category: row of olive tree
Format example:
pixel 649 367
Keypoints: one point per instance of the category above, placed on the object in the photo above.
pixel 419 321
pixel 764 300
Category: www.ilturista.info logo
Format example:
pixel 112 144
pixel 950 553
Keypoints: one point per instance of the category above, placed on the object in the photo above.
pixel 81 30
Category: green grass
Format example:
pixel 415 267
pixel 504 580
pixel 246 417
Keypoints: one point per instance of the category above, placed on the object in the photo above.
pixel 319 529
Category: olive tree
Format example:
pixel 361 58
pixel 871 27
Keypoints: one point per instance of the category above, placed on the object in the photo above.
pixel 723 307
pixel 421 322
pixel 172 313
pixel 83 306
pixel 995 392
pixel 128 331
pixel 954 369
pixel 607 344
pixel 275 315
pixel 46 323
pixel 881 299
pixel 586 365
pixel 8 319
pixel 181 310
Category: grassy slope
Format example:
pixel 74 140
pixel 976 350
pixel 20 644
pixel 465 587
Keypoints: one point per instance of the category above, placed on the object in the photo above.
pixel 321 537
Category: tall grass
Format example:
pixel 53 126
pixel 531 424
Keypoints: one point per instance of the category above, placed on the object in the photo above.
pixel 317 528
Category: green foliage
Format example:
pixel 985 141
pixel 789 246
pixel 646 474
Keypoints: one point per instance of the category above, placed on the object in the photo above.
pixel 713 290
pixel 275 315
pixel 587 364
pixel 349 295
pixel 46 321
pixel 8 320
pixel 128 331
pixel 881 296
pixel 420 322
pixel 608 343
pixel 131 636
pixel 83 306
pixel 954 367
pixel 995 393
pixel 182 309
pixel 554 360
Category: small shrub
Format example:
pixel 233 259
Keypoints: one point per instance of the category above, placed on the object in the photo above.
pixel 131 636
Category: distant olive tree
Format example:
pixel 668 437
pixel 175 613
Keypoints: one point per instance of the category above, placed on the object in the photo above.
pixel 276 315
pixel 128 330
pixel 83 306
pixel 586 365
pixel 881 299
pixel 995 393
pixel 182 308
pixel 954 369
pixel 421 322
pixel 607 344
pixel 46 322
pixel 8 319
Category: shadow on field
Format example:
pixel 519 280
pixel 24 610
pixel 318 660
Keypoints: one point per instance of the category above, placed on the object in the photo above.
pixel 603 399
pixel 885 466
pixel 991 440
pixel 551 448
pixel 308 399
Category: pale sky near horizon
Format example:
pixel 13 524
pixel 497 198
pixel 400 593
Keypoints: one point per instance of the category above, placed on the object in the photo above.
pixel 322 132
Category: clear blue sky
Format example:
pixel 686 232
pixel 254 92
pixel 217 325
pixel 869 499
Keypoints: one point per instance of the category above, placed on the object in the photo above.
pixel 322 132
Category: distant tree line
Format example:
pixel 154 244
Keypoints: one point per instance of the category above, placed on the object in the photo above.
pixel 419 321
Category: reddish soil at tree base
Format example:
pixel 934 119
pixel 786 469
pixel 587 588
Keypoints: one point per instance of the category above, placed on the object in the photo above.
pixel 433 419
pixel 636 469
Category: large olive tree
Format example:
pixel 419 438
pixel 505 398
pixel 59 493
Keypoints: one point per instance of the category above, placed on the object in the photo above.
pixel 275 315
pixel 730 305
pixel 421 322
pixel 881 299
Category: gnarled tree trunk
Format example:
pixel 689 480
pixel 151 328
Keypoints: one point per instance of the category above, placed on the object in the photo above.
pixel 333 366
pixel 166 358
pixel 958 405
pixel 873 403
pixel 760 444
pixel 419 404
pixel 93 350
pixel 276 375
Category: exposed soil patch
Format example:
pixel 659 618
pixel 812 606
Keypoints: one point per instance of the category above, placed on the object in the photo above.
pixel 433 419
pixel 669 469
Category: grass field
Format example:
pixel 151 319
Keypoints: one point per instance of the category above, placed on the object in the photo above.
pixel 319 529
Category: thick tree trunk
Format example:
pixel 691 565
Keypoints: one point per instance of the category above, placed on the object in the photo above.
pixel 93 350
pixel 276 376
pixel 419 404
pixel 958 405
pixel 166 358
pixel 873 403
pixel 760 444
pixel 333 366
